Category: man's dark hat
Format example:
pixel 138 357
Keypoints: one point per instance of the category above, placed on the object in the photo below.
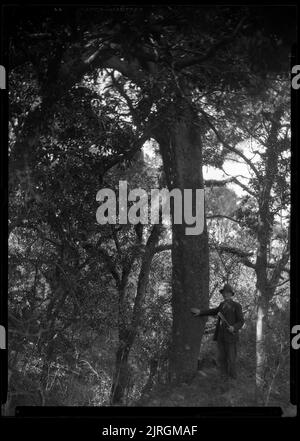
pixel 227 287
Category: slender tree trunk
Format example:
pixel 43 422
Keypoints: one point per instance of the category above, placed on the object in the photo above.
pixel 266 283
pixel 262 283
pixel 261 349
pixel 150 381
pixel 59 293
pixel 181 149
pixel 265 292
pixel 121 376
pixel 128 332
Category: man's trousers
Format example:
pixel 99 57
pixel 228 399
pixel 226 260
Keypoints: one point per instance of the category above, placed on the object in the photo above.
pixel 227 352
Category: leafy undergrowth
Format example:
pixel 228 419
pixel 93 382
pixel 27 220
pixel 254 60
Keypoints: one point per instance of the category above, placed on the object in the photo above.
pixel 207 388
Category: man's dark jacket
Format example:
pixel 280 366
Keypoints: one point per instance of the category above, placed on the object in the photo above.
pixel 233 313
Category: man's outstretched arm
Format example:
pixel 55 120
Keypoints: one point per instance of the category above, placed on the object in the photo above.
pixel 211 311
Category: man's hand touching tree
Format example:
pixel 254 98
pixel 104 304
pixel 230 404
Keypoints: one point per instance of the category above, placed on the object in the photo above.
pixel 195 311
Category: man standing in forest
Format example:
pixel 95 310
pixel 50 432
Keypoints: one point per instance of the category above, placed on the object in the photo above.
pixel 230 321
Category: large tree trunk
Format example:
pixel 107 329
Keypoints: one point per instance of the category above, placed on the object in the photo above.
pixel 181 149
pixel 190 285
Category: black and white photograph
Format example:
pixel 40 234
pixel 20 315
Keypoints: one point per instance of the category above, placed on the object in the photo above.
pixel 149 190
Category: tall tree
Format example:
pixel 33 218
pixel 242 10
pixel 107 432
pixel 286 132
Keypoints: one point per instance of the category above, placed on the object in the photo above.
pixel 263 123
pixel 168 52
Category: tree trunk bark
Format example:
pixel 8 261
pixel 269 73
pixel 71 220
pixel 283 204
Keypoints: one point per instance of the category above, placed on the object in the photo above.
pixel 150 381
pixel 261 349
pixel 181 149
pixel 265 293
pixel 121 376
pixel 128 332
pixel 265 283
pixel 59 293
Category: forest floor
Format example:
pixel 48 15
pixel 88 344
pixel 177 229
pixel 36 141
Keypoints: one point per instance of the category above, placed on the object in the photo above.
pixel 206 389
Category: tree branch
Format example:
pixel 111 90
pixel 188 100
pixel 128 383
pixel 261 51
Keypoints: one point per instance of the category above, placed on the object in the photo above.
pixel 108 260
pixel 128 70
pixel 280 266
pixel 161 248
pixel 228 146
pixel 191 61
pixel 223 216
pixel 217 182
pixel 122 92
